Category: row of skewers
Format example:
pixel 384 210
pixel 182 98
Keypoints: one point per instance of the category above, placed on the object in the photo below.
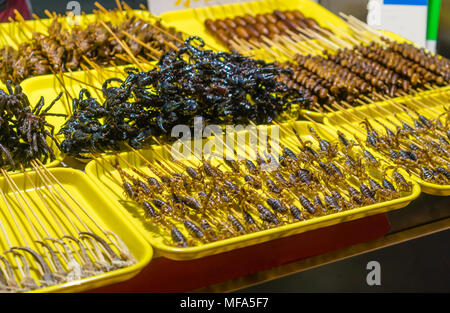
pixel 104 42
pixel 414 137
pixel 357 66
pixel 194 203
pixel 71 247
pixel 251 29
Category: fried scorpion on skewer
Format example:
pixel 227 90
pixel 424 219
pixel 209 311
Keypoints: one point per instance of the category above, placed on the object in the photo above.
pixel 64 49
pixel 25 134
pixel 314 178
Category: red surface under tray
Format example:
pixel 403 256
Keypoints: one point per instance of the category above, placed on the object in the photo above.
pixel 164 275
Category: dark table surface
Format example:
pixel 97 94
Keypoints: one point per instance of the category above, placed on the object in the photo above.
pixel 417 265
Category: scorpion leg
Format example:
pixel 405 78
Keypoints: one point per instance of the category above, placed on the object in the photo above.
pixel 61 273
pixel 27 281
pixel 51 104
pixel 74 268
pixel 88 267
pixel 48 277
pixel 111 254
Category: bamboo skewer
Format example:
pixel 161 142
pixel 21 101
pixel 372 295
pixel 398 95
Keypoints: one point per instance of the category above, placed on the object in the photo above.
pixel 27 280
pixel 119 245
pixel 55 218
pixel 54 261
pixel 11 278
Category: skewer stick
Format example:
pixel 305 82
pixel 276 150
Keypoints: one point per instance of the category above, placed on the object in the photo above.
pixel 290 44
pixel 334 38
pixel 102 8
pixel 12 21
pixel 398 105
pixel 301 38
pixel 64 87
pixel 105 170
pixel 92 80
pixel 49 15
pixel 363 25
pixel 119 246
pixel 5 234
pixel 266 47
pixel 95 67
pixel 323 40
pixel 15 189
pixel 24 273
pixel 37 18
pixel 53 214
pixel 370 118
pixel 122 44
pixel 23 210
pixel 423 105
pixel 349 123
pixel 344 33
pixel 66 94
pixel 48 184
pixel 156 52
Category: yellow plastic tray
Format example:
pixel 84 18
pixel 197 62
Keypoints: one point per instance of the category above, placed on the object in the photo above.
pixel 162 248
pixel 346 122
pixel 103 211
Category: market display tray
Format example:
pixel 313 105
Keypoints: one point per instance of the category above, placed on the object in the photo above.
pixel 96 213
pixel 431 104
pixel 151 231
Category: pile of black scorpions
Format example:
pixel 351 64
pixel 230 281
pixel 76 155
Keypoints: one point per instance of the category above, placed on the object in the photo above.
pixel 25 135
pixel 221 87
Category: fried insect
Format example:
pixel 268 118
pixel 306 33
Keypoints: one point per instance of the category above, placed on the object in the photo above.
pixel 61 48
pixel 223 88
pixel 243 198
pixel 25 134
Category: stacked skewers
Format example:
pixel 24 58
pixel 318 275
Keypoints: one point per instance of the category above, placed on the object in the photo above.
pixel 104 43
pixel 357 66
